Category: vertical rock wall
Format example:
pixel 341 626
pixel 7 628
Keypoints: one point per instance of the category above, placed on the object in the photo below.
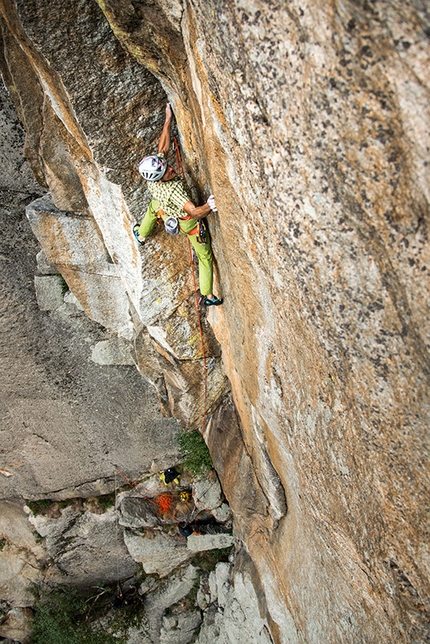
pixel 91 112
pixel 322 116
pixel 310 123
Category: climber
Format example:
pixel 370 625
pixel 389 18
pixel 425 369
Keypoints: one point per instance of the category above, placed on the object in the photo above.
pixel 171 201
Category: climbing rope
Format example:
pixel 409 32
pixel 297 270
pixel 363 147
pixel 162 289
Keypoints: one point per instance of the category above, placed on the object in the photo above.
pixel 196 300
pixel 178 158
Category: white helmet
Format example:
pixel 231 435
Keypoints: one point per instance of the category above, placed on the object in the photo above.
pixel 152 168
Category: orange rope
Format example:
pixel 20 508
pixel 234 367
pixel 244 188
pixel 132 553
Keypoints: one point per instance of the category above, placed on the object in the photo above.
pixel 163 503
pixel 178 157
pixel 199 318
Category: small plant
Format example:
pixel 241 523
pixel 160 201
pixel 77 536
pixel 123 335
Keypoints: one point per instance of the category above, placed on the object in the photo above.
pixel 196 457
pixel 45 506
pixel 208 559
pixel 40 506
pixel 38 537
pixel 106 501
pixel 64 286
pixel 3 543
pixel 60 617
pixel 131 614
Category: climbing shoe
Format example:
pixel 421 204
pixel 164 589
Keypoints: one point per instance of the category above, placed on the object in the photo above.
pixel 215 302
pixel 136 234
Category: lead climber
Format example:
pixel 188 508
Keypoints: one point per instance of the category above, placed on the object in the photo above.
pixel 171 202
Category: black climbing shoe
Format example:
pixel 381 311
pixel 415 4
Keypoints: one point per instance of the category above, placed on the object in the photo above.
pixel 214 302
pixel 136 234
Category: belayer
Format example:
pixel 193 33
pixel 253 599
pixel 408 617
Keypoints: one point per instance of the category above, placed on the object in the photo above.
pixel 172 202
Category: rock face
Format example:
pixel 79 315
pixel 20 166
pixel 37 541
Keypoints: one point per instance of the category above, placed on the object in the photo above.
pixel 310 124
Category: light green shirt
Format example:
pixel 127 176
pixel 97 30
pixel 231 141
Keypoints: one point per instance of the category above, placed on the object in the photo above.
pixel 172 196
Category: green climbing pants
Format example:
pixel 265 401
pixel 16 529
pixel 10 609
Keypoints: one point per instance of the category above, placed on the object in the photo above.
pixel 203 251
pixel 205 259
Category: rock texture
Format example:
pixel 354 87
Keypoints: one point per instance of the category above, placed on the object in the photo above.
pixel 310 124
pixel 65 421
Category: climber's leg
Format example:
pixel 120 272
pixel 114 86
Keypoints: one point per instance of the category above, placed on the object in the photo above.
pixel 205 259
pixel 149 220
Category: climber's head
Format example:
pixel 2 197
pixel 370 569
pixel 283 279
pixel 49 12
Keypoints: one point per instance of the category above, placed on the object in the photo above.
pixel 153 168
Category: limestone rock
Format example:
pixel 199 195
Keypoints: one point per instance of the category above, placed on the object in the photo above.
pixel 160 554
pixel 17 529
pixel 171 591
pixel 16 626
pixel 66 420
pixel 180 630
pixel 201 542
pixel 19 569
pixel 86 548
pixel 21 556
pixel 138 512
pixel 114 351
pixel 207 493
pixel 49 291
pixel 233 464
pixel 69 298
pixel 310 124
pixel 86 267
pixel 235 615
pixel 44 267
pixel 222 513
pixel 148 586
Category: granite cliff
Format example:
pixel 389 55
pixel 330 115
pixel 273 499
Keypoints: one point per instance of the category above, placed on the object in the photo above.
pixel 309 122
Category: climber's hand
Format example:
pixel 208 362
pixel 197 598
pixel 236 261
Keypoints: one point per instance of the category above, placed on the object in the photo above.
pixel 211 203
pixel 168 111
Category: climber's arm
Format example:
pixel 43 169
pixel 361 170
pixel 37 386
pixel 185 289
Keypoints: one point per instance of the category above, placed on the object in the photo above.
pixel 164 142
pixel 199 212
pixel 196 212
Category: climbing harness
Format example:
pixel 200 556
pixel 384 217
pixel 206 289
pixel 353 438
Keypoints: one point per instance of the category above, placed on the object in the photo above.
pixel 172 226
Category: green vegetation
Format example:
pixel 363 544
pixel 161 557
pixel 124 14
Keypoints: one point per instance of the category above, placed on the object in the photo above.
pixel 3 542
pixel 208 559
pixel 106 501
pixel 43 506
pixel 131 613
pixel 40 506
pixel 194 451
pixel 64 285
pixel 61 616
